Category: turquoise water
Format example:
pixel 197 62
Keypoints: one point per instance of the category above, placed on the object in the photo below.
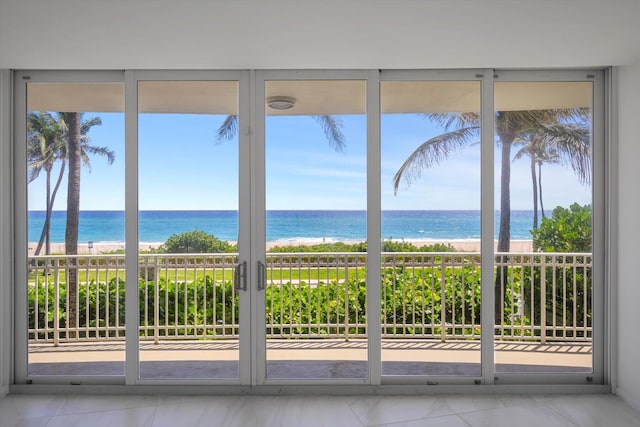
pixel 286 226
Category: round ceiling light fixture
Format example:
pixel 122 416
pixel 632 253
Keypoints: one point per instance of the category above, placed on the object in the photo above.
pixel 281 102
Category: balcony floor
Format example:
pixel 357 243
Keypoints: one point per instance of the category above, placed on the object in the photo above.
pixel 307 359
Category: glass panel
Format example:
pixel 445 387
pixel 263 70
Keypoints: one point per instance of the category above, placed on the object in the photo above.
pixel 430 227
pixel 188 228
pixel 75 169
pixel 316 202
pixel 543 202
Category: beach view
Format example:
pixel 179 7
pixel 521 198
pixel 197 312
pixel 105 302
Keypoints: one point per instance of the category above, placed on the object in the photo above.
pixel 105 229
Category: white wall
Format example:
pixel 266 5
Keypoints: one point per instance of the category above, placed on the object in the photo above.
pixel 628 380
pixel 370 34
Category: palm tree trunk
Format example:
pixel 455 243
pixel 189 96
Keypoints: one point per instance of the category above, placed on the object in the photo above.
pixel 47 222
pixel 74 149
pixel 534 181
pixel 45 236
pixel 540 188
pixel 47 248
pixel 504 234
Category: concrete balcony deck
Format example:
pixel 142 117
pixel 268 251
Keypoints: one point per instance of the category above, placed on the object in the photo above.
pixel 308 359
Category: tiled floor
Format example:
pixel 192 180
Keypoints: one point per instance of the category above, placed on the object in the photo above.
pixel 308 411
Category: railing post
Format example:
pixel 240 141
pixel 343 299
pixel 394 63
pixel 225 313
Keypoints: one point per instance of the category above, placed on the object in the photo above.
pixel 543 300
pixel 56 297
pixel 443 301
pixel 156 301
pixel 346 298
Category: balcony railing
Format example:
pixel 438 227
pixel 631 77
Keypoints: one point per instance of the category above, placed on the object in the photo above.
pixel 543 296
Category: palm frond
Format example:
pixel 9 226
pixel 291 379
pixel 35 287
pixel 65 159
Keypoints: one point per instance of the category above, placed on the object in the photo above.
pixel 573 146
pixel 332 128
pixel 34 173
pixel 86 125
pixel 228 129
pixel 454 120
pixel 525 150
pixel 45 142
pixel 100 151
pixel 432 152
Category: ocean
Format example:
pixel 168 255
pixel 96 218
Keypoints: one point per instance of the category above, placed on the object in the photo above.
pixel 282 226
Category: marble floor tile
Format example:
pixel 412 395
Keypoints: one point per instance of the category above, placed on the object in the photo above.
pixel 593 410
pixel 460 404
pixel 129 417
pixel 521 416
pixel 388 409
pixel 194 411
pixel 28 410
pixel 444 421
pixel 99 403
pixel 33 422
pixel 312 411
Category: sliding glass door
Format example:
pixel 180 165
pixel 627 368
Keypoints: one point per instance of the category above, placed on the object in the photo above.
pixel 546 297
pixel 313 281
pixel 71 181
pixel 431 234
pixel 191 279
pixel 289 227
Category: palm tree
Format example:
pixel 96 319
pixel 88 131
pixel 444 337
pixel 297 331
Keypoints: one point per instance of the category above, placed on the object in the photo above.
pixel 542 158
pixel 568 144
pixel 567 129
pixel 45 146
pixel 535 147
pixel 78 149
pixel 47 143
pixel 461 129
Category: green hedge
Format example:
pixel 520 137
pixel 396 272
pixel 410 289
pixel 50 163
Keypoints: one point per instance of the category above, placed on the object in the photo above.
pixel 410 296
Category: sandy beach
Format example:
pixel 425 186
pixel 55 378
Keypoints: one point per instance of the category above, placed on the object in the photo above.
pixel 460 245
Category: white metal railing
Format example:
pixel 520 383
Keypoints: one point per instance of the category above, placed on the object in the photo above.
pixel 543 296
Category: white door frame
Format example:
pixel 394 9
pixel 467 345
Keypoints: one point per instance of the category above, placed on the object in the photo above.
pixel 131 213
pixel 21 80
pixel 373 217
pixel 600 183
pixel 485 79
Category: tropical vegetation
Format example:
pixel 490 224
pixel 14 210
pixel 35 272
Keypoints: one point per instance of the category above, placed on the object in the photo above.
pixel 195 241
pixel 563 133
pixel 60 138
pixel 53 137
pixel 203 301
pixel 568 230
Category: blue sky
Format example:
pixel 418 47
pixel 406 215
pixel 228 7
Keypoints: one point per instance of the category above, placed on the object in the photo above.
pixel 182 166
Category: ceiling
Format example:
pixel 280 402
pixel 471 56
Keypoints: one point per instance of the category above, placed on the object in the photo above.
pixel 327 34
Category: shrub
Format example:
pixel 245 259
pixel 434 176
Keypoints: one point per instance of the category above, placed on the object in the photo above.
pixel 321 247
pixel 196 241
pixel 568 230
pixel 387 246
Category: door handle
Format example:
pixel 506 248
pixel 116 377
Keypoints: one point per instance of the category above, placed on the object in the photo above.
pixel 262 275
pixel 240 276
